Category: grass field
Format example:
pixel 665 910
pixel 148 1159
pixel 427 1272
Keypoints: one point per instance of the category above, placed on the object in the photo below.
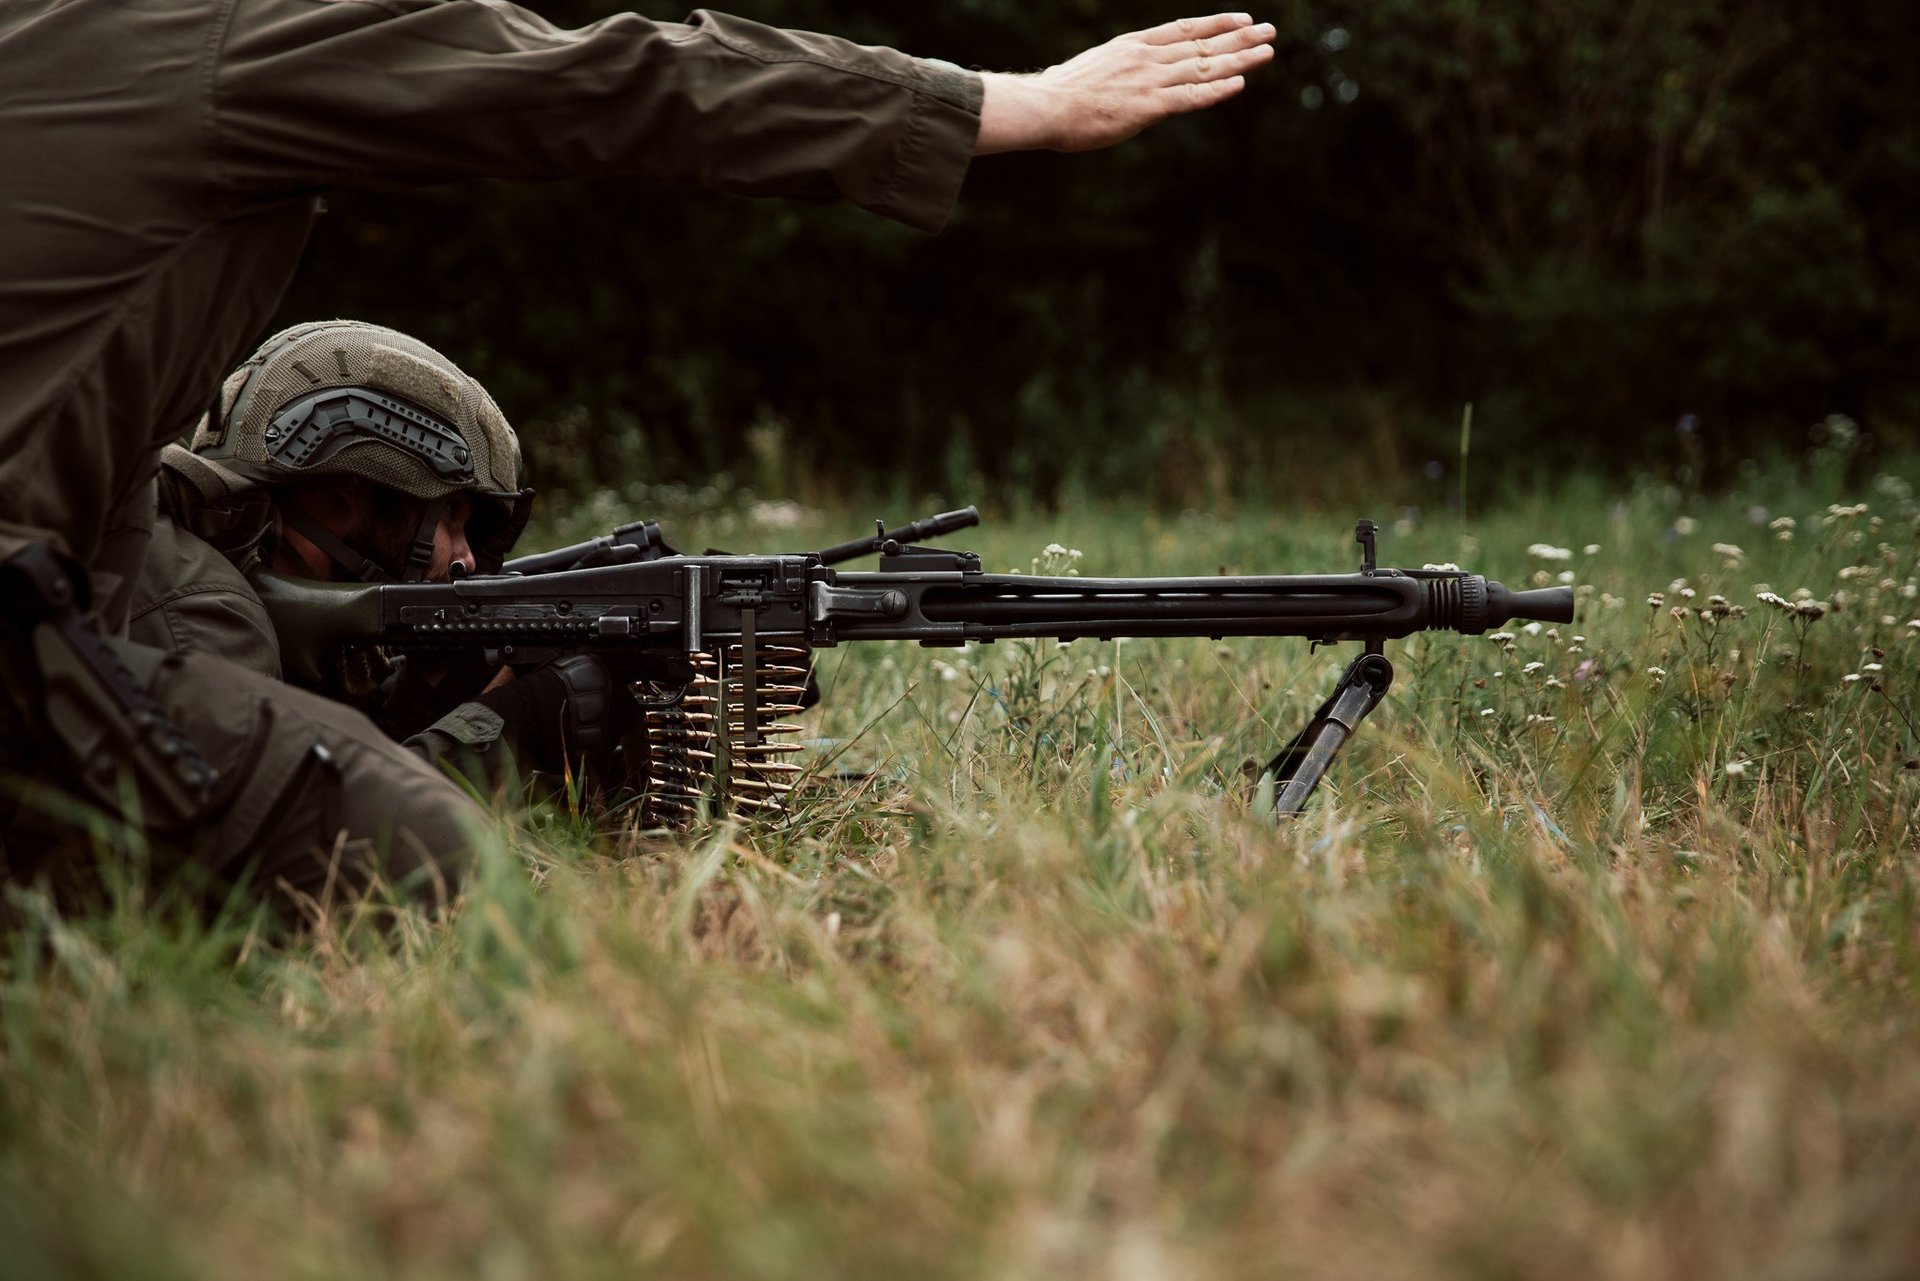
pixel 1596 957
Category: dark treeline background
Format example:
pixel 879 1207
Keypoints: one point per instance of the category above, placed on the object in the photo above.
pixel 1662 235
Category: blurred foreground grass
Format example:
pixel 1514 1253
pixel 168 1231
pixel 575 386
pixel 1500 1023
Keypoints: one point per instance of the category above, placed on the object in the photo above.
pixel 1596 956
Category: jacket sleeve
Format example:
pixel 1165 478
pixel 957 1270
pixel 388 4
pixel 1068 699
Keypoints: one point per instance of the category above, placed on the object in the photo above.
pixel 311 94
pixel 188 597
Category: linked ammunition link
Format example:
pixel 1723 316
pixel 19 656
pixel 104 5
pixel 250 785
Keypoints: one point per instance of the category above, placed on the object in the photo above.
pixel 747 769
pixel 759 743
pixel 680 775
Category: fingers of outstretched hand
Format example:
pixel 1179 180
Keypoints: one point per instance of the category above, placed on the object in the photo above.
pixel 1199 70
pixel 1257 38
pixel 1183 30
pixel 1197 96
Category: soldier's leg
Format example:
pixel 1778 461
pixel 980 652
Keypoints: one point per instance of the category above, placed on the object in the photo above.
pixel 330 802
pixel 311 797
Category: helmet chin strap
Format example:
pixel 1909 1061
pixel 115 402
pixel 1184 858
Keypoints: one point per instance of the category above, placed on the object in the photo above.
pixel 358 564
pixel 420 556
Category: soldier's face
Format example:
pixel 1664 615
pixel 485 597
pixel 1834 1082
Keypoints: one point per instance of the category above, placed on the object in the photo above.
pixel 376 522
pixel 450 541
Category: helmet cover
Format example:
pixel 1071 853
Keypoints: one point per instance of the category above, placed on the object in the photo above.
pixel 348 398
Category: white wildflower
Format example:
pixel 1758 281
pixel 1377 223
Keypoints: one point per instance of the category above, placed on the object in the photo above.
pixel 1684 525
pixel 1736 769
pixel 1531 668
pixel 1547 551
pixel 1591 549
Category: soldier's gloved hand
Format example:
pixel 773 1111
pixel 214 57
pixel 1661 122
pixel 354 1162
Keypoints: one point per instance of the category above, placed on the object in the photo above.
pixel 566 717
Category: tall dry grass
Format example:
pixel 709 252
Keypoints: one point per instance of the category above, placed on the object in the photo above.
pixel 1626 992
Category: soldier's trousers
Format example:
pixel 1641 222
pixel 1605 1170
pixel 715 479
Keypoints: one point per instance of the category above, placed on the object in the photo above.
pixel 312 798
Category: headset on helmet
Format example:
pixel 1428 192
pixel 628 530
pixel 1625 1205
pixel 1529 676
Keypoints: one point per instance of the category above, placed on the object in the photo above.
pixel 346 398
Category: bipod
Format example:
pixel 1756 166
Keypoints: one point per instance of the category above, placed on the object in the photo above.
pixel 1299 766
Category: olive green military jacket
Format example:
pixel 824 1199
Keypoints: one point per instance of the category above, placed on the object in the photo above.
pixel 161 162
pixel 191 593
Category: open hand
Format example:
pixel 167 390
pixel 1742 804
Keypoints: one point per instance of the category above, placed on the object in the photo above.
pixel 1113 91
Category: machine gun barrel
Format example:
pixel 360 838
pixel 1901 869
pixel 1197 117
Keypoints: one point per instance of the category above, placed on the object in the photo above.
pixel 1383 605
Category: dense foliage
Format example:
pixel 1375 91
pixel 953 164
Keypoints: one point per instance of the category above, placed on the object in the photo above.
pixel 1593 220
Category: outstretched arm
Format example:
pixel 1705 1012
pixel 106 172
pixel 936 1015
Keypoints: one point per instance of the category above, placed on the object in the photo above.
pixel 1113 91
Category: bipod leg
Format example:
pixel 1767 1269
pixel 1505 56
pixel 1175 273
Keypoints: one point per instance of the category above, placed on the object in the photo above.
pixel 1299 766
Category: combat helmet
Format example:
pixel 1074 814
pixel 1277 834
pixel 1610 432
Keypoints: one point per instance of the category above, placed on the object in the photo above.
pixel 347 398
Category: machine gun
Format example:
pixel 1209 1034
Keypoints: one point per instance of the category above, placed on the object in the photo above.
pixel 741 631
